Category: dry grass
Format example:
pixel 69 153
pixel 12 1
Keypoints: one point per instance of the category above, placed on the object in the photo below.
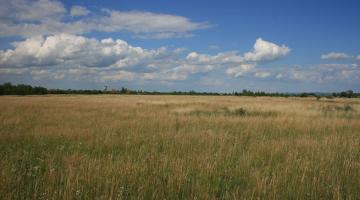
pixel 179 147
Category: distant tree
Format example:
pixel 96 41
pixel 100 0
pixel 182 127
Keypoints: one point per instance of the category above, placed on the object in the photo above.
pixel 304 95
pixel 21 89
pixel 123 90
pixel 349 93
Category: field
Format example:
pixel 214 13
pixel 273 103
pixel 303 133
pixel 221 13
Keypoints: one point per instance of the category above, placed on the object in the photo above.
pixel 179 147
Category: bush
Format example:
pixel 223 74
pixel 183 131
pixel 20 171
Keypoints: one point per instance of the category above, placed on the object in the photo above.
pixel 240 111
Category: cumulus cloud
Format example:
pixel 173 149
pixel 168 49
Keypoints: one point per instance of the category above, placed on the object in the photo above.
pixel 266 51
pixel 263 51
pixel 64 55
pixel 335 56
pixel 43 17
pixel 77 57
pixel 79 11
pixel 71 50
pixel 240 70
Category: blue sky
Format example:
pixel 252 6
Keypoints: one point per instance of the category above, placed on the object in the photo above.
pixel 285 46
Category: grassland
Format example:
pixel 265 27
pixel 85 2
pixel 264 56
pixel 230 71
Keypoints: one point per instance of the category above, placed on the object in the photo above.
pixel 179 147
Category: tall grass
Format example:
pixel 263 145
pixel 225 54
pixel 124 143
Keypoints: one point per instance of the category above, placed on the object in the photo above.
pixel 171 147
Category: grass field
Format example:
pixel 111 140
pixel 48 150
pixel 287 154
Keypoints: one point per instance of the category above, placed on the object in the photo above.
pixel 179 147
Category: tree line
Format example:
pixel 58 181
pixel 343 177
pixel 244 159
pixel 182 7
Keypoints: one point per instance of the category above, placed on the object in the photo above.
pixel 22 89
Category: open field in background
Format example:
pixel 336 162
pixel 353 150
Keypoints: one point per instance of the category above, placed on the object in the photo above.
pixel 179 147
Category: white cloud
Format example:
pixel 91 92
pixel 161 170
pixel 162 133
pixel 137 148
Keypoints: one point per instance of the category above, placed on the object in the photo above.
pixel 75 50
pixel 279 76
pixel 335 56
pixel 246 65
pixel 220 58
pixel 38 74
pixel 13 70
pixel 79 11
pixel 144 22
pixel 43 17
pixel 240 70
pixel 266 51
pixel 35 10
pixel 70 56
pixel 165 35
pixel 148 24
pixel 326 73
pixel 262 74
pixel 66 56
pixel 180 50
pixel 29 18
pixel 357 57
pixel 120 75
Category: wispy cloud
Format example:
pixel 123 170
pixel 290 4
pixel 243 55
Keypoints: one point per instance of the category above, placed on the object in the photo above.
pixel 76 11
pixel 335 56
pixel 321 73
pixel 43 17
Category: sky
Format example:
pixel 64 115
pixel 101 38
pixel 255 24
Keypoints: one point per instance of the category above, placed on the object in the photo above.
pixel 162 45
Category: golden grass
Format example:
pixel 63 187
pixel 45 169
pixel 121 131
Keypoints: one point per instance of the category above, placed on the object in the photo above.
pixel 179 147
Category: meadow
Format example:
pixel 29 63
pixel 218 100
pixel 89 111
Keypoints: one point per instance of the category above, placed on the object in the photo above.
pixel 178 147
